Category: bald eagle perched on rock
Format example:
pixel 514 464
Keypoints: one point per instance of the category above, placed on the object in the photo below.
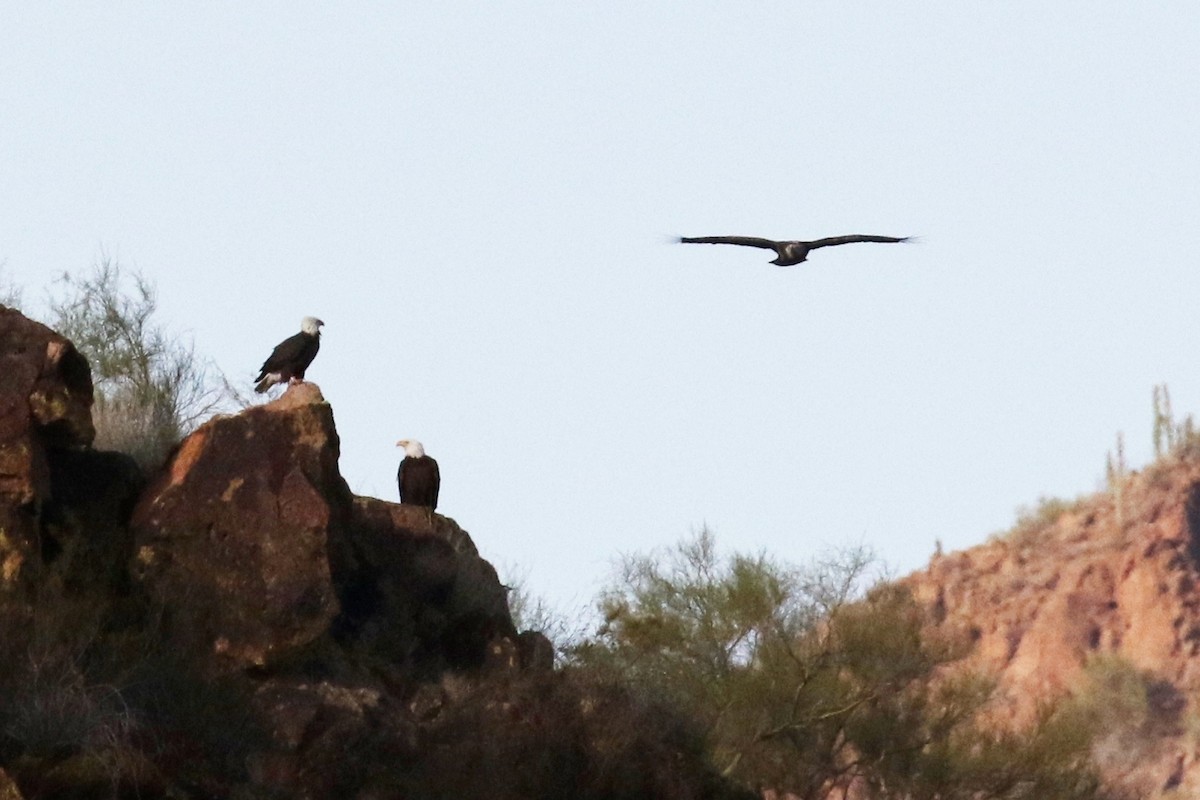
pixel 291 357
pixel 789 253
pixel 418 477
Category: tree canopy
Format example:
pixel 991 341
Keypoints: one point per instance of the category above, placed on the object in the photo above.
pixel 814 682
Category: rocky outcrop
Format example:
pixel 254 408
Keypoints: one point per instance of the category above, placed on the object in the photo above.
pixel 1115 574
pixel 45 385
pixel 254 546
pixel 45 405
pixel 362 640
pixel 233 538
pixel 242 626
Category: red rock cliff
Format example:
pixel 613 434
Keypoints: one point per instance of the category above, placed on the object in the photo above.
pixel 1112 574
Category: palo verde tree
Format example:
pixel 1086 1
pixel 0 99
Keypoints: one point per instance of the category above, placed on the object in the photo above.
pixel 807 682
pixel 151 387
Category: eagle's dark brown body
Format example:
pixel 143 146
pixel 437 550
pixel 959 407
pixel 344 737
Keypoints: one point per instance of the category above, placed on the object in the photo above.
pixel 419 481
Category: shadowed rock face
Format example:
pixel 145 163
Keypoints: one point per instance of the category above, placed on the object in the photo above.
pixel 415 590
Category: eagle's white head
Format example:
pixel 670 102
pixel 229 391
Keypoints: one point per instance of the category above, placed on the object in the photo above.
pixel 412 448
pixel 311 326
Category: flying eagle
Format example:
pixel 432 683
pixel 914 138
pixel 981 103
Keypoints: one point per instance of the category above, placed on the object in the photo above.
pixel 418 476
pixel 790 253
pixel 291 357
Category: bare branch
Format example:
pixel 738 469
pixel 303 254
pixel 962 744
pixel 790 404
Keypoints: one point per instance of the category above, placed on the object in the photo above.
pixel 152 388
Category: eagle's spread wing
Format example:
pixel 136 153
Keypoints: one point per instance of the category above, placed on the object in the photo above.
pixel 853 237
pixel 285 354
pixel 747 241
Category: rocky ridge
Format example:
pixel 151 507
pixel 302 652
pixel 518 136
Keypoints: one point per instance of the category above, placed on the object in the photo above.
pixel 239 624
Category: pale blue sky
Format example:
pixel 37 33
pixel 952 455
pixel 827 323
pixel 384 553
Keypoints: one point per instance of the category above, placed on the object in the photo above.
pixel 478 200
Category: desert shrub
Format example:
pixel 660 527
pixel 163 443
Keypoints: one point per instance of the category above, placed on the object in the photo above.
pixel 61 690
pixel 1138 714
pixel 94 699
pixel 532 612
pixel 151 386
pixel 10 294
pixel 569 734
pixel 200 727
pixel 1033 521
pixel 806 681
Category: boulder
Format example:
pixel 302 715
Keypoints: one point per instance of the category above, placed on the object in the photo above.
pixel 45 405
pixel 45 384
pixel 233 537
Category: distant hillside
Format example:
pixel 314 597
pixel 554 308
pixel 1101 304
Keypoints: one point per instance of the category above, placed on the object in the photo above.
pixel 1102 592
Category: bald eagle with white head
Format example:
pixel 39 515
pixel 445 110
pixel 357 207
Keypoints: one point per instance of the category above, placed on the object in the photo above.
pixel 291 357
pixel 418 476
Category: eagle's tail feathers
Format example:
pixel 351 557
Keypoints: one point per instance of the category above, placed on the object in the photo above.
pixel 268 381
